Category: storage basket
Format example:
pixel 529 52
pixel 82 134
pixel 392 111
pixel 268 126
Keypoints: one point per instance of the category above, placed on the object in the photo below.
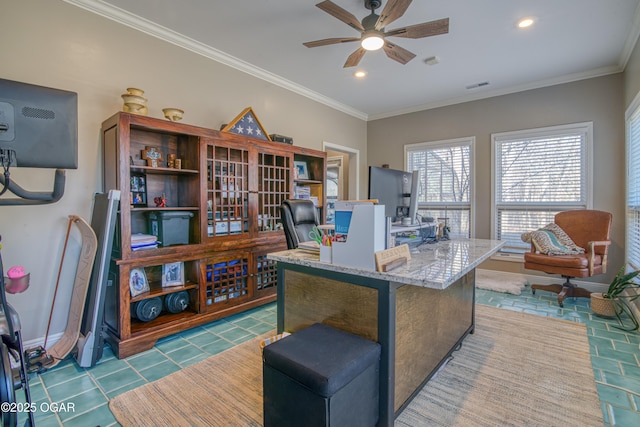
pixel 602 306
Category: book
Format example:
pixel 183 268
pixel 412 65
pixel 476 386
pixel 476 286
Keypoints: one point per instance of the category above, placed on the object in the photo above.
pixel 310 246
pixel 143 241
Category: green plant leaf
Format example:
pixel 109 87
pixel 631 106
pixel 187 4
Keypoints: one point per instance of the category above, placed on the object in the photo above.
pixel 621 282
pixel 623 308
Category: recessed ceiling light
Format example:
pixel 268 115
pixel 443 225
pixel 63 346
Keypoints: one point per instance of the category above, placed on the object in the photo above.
pixel 360 74
pixel 525 22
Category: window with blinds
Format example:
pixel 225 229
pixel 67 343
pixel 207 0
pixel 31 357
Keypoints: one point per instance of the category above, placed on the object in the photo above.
pixel 446 178
pixel 536 174
pixel 633 184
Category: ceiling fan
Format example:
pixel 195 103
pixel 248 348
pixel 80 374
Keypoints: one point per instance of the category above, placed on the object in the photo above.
pixel 372 29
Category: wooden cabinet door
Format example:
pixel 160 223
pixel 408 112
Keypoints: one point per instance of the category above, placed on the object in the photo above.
pixel 265 275
pixel 273 186
pixel 225 280
pixel 227 190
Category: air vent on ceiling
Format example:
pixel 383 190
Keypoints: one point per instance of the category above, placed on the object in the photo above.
pixel 433 60
pixel 477 85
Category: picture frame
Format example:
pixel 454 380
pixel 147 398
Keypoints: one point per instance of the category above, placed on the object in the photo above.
pixel 138 190
pixel 138 283
pixel 301 169
pixel 173 274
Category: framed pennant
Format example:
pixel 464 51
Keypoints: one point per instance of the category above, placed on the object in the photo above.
pixel 247 124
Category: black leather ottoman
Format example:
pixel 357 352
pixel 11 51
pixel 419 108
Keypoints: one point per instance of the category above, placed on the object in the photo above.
pixel 321 376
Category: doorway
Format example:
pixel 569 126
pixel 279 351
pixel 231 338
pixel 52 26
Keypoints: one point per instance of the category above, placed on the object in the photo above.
pixel 335 185
pixel 342 176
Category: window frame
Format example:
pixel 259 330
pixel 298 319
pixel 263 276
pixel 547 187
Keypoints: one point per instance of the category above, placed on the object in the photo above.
pixel 549 131
pixel 631 114
pixel 446 143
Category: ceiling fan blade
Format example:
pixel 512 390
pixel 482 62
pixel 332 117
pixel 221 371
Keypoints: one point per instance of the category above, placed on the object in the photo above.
pixel 325 42
pixel 333 9
pixel 355 57
pixel 393 10
pixel 426 29
pixel 397 53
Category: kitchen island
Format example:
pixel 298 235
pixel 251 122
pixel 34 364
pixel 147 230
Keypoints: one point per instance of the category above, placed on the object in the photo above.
pixel 419 312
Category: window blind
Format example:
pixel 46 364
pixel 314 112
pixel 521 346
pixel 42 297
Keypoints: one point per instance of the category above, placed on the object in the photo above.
pixel 537 174
pixel 531 170
pixel 633 189
pixel 445 181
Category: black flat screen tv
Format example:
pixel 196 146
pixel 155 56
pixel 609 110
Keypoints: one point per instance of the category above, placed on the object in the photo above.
pixel 38 126
pixel 392 188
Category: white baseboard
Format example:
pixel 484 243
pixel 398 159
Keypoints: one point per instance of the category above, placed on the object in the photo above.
pixel 26 345
pixel 40 341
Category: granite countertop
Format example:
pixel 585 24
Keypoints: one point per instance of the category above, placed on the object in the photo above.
pixel 435 265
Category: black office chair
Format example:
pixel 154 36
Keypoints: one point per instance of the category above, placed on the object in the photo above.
pixel 298 219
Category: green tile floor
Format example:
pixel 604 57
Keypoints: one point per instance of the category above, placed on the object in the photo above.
pixel 615 356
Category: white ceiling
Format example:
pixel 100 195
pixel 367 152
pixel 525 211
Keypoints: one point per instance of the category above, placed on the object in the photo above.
pixel 571 40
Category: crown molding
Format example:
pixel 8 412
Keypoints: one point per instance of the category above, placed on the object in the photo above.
pixel 150 28
pixel 632 39
pixel 138 23
pixel 503 91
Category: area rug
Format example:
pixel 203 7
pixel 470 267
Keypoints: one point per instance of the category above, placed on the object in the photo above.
pixel 516 369
pixel 492 281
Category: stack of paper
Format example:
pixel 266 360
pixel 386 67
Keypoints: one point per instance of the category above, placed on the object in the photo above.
pixel 310 246
pixel 141 241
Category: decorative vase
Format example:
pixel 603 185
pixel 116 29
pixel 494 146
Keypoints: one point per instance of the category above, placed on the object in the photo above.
pixel 135 91
pixel 173 114
pixel 134 102
pixel 602 306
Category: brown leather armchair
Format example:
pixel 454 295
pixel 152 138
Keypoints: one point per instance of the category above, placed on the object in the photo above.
pixel 590 230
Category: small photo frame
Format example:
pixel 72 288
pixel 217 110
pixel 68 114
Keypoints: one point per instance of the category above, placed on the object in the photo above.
pixel 138 193
pixel 301 170
pixel 138 282
pixel 173 274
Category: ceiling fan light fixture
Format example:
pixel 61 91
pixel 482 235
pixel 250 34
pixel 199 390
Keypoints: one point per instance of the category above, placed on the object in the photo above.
pixel 372 40
pixel 372 30
pixel 526 22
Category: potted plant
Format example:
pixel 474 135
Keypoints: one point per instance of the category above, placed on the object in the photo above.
pixel 614 303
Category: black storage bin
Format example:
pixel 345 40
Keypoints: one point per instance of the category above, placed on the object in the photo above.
pixel 321 376
pixel 170 227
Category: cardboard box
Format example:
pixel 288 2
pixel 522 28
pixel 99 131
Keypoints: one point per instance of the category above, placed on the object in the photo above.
pixel 281 138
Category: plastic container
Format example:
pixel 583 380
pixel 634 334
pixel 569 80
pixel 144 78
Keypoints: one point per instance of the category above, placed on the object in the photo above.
pixel 170 227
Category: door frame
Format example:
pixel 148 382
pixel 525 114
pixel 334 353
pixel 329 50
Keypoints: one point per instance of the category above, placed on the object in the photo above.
pixel 354 167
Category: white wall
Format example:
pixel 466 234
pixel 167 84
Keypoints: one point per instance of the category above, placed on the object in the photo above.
pixel 54 44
